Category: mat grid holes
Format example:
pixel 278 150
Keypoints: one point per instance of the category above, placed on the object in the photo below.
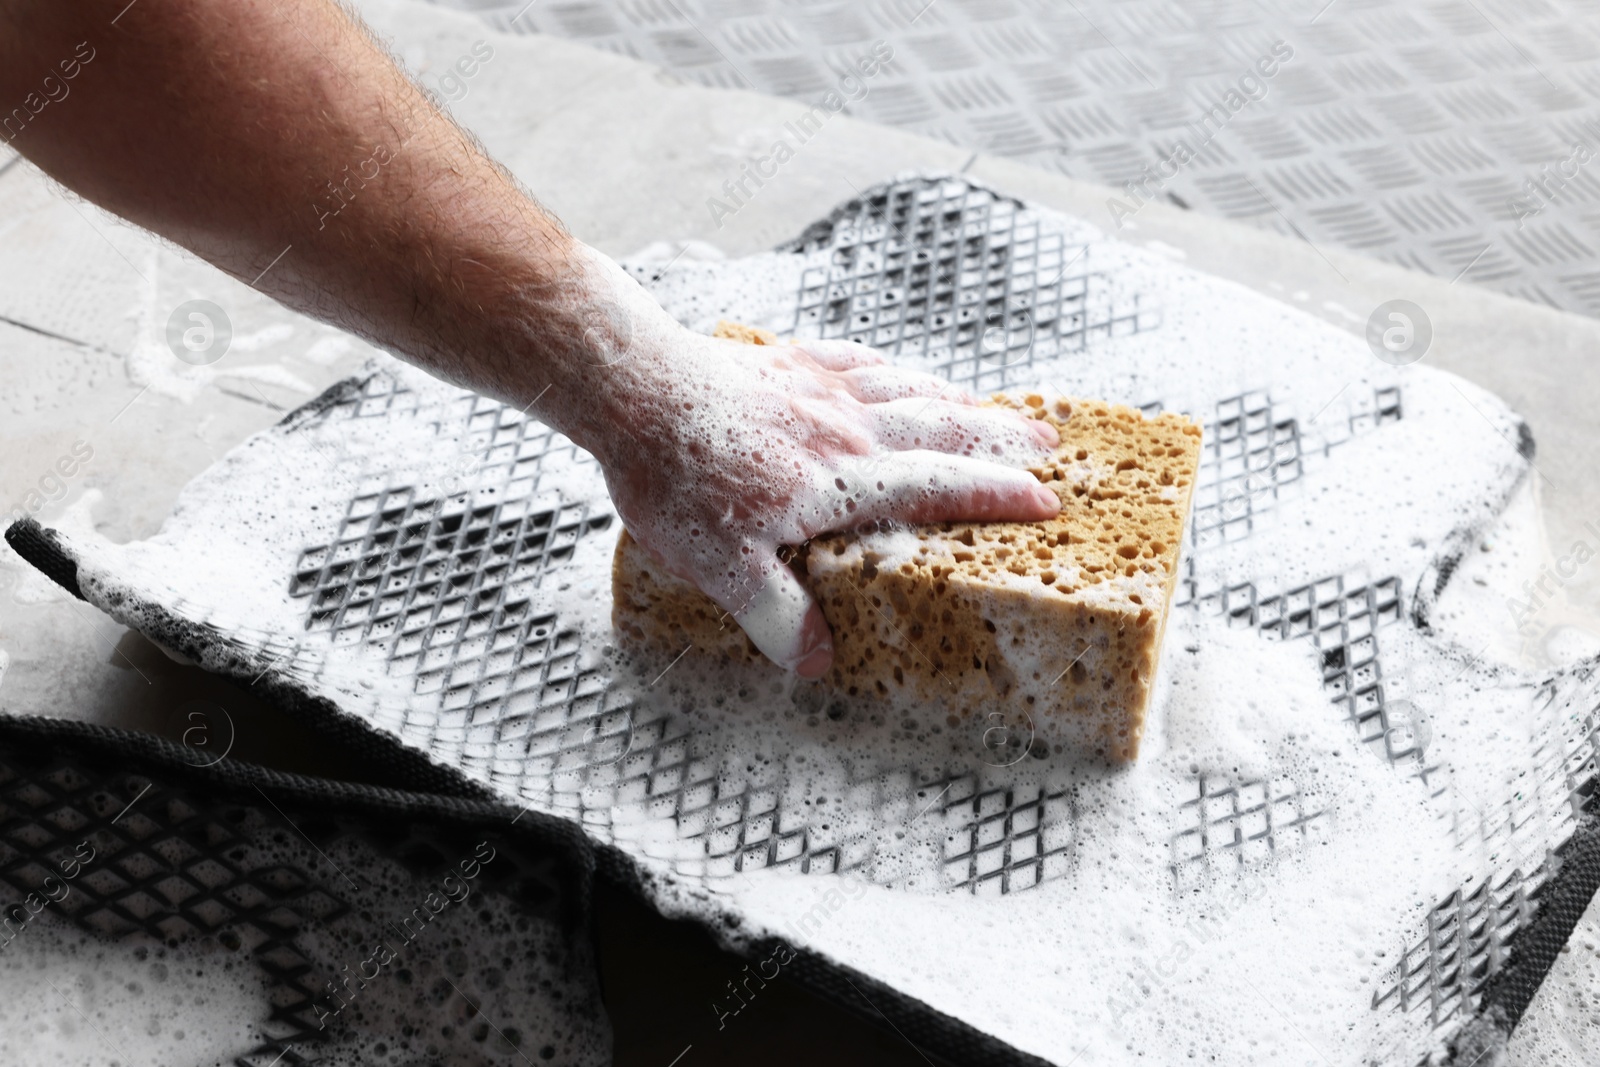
pixel 1468 936
pixel 443 584
pixel 1251 451
pixel 1232 825
pixel 1248 452
pixel 1000 841
pixel 442 587
pixel 962 280
pixel 1467 941
pixel 1342 615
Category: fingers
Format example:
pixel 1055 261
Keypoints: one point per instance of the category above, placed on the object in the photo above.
pixel 815 637
pixel 880 384
pixel 996 434
pixel 923 486
pixel 780 617
pixel 840 355
pixel 872 380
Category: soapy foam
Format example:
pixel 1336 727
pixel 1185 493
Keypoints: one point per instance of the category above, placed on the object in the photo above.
pixel 1307 933
pixel 1112 911
pixel 70 998
pixel 444 969
pixel 889 744
pixel 416 968
pixel 1567 1017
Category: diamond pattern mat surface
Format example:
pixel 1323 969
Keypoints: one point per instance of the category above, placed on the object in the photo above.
pixel 1443 136
pixel 434 567
pixel 260 919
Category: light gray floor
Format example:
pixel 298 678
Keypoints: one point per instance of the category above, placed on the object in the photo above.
pixel 1402 130
pixel 627 155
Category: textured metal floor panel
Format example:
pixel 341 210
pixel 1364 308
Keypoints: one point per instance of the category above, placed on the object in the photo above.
pixel 1406 131
pixel 449 591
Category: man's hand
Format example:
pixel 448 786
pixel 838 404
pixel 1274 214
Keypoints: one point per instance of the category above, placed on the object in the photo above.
pixel 789 443
pixel 783 444
pixel 721 455
pixel 280 143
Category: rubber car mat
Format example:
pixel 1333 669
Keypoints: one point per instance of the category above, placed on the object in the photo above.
pixel 1345 819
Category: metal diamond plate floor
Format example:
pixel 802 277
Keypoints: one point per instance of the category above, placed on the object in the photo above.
pixel 1439 136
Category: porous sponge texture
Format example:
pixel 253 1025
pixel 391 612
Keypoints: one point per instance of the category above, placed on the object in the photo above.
pixel 738 331
pixel 1060 619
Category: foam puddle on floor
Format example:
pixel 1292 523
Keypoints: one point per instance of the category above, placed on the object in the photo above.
pixel 70 998
pixel 279 949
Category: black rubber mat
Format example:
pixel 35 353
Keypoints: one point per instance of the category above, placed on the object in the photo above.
pixel 387 953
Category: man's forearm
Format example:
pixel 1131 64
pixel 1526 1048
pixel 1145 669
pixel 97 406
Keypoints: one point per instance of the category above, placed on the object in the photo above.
pixel 359 202
pixel 274 139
